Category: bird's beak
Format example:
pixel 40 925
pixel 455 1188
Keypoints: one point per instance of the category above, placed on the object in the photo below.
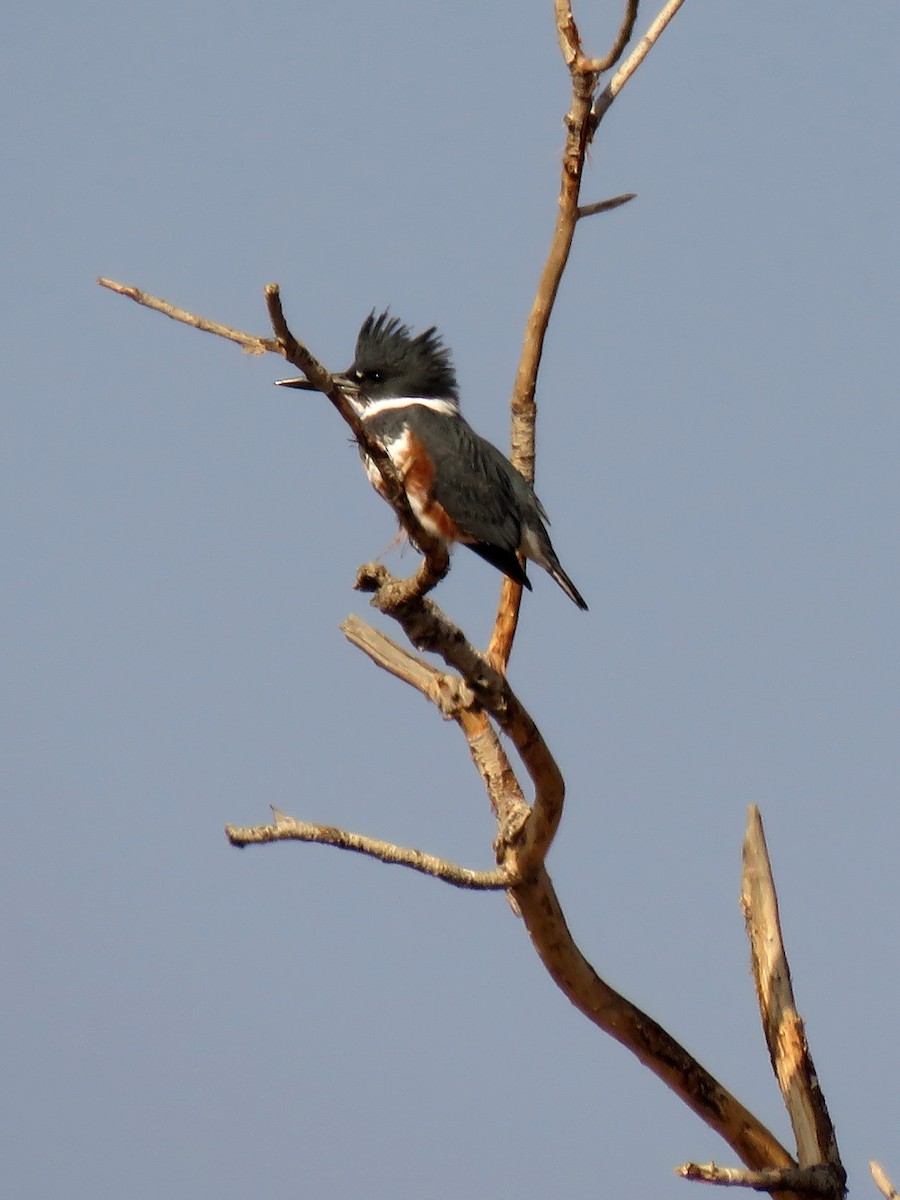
pixel 342 379
pixel 297 383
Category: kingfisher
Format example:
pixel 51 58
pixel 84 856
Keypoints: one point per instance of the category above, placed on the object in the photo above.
pixel 460 487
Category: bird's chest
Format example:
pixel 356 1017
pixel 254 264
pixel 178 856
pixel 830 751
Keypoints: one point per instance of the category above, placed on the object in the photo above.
pixel 410 457
pixel 393 433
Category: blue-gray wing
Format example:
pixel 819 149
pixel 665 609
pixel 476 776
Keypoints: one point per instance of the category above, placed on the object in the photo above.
pixel 476 485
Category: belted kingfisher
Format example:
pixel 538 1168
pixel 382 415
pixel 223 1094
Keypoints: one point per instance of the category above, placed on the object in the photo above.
pixel 460 487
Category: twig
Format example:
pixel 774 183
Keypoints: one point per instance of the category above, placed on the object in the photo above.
pixel 882 1182
pixel 299 356
pixel 810 1181
pixel 447 692
pixel 783 1027
pixel 457 701
pixel 598 65
pixel 602 206
pixel 454 699
pixel 287 829
pixel 634 60
pixel 252 343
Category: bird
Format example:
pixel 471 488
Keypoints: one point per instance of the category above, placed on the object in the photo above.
pixel 460 487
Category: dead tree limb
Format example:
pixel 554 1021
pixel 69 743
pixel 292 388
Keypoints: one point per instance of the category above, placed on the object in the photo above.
pixel 476 697
pixel 782 1024
pixel 288 829
pixel 475 692
pixel 581 123
pixel 805 1181
pixel 882 1182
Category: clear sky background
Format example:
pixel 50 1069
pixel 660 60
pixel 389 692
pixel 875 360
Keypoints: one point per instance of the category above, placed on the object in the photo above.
pixel 719 432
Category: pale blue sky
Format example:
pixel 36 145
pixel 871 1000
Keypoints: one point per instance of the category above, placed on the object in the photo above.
pixel 719 434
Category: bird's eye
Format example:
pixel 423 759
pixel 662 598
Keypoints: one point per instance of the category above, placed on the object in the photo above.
pixel 367 376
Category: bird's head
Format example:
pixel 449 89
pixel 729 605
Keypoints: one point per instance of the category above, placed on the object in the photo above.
pixel 390 362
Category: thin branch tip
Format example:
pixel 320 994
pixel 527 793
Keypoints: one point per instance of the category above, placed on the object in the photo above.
pixel 250 343
pixel 623 37
pixel 634 60
pixel 882 1182
pixel 589 210
pixel 819 1179
pixel 289 829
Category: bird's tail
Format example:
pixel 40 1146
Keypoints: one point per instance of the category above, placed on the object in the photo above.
pixel 537 546
pixel 567 585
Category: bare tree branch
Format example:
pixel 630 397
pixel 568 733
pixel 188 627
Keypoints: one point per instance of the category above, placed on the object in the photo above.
pixel 602 206
pixel 581 123
pixel 525 834
pixel 634 60
pixel 783 1027
pixel 447 692
pixel 430 629
pixel 456 700
pixel 530 887
pixel 808 1181
pixel 287 829
pixel 596 66
pixel 475 692
pixel 535 899
pixel 882 1182
pixel 299 356
pixel 640 1034
pixel 253 344
pixel 523 411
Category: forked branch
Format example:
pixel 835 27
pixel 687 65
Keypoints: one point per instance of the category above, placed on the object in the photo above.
pixel 581 123
pixel 818 1169
pixel 525 832
pixel 475 692
pixel 782 1024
